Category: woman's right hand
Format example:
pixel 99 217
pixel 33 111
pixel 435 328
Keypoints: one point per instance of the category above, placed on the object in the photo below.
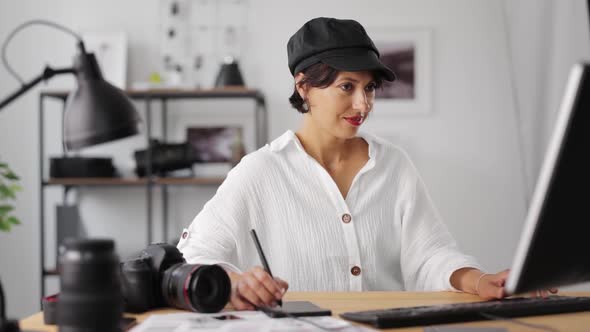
pixel 255 288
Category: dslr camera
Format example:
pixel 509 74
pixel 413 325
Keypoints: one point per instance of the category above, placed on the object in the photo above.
pixel 160 277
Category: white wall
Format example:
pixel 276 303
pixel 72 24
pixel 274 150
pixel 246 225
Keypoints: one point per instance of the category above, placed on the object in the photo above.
pixel 466 148
pixel 546 38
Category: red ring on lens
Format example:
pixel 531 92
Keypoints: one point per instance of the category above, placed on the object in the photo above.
pixel 185 287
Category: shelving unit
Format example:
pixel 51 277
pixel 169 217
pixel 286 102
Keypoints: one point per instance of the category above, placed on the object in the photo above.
pixel 150 181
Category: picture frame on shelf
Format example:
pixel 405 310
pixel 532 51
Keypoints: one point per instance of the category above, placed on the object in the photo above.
pixel 219 144
pixel 217 149
pixel 407 51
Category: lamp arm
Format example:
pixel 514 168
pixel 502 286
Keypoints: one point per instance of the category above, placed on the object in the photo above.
pixel 47 74
pixel 25 25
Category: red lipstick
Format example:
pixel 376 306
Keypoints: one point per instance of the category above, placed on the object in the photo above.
pixel 355 120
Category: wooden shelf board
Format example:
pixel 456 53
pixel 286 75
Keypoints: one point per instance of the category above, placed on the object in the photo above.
pixel 96 181
pixel 131 181
pixel 229 92
pixel 50 272
pixel 189 181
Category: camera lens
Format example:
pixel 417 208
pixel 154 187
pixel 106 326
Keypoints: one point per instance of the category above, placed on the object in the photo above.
pixel 90 298
pixel 202 288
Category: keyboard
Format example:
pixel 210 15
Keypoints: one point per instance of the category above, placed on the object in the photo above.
pixel 465 312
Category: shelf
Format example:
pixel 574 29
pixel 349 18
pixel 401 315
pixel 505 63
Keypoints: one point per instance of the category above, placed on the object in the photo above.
pixel 95 182
pixel 236 92
pixel 50 272
pixel 130 181
pixel 150 182
pixel 189 181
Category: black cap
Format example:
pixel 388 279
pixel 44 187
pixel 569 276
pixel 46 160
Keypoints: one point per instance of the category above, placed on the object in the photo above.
pixel 341 44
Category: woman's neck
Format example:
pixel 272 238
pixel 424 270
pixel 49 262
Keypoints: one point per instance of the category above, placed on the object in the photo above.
pixel 329 150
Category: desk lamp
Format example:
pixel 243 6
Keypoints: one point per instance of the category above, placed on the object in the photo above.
pixel 96 111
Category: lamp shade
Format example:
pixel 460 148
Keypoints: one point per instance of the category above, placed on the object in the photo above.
pixel 96 111
pixel 229 74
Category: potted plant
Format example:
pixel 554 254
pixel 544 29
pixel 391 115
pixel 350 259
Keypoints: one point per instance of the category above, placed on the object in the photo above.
pixel 8 189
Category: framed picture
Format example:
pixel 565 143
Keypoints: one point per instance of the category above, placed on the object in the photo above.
pixel 408 53
pixel 216 144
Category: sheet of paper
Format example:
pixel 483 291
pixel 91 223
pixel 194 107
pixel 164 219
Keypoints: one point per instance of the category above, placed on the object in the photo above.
pixel 241 321
pixel 463 329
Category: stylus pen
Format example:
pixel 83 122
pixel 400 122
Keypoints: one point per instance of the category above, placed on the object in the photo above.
pixel 262 257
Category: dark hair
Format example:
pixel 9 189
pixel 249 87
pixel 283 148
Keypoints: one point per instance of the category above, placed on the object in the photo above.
pixel 320 75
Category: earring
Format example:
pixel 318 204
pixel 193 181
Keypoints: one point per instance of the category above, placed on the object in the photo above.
pixel 305 106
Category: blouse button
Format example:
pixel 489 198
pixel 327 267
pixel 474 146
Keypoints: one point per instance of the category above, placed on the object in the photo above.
pixel 355 270
pixel 184 235
pixel 346 218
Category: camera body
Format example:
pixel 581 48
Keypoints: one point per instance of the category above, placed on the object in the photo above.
pixel 159 277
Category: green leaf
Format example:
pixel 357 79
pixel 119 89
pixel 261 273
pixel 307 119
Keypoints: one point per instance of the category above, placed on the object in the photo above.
pixel 11 176
pixel 5 192
pixel 9 191
pixel 15 188
pixel 13 220
pixel 4 226
pixel 5 209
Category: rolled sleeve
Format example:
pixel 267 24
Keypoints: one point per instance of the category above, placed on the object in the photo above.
pixel 212 237
pixel 208 241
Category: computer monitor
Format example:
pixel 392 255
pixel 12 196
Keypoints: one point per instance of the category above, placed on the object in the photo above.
pixel 554 248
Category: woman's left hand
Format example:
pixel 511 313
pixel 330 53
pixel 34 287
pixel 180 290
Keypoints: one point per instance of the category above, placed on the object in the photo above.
pixel 491 286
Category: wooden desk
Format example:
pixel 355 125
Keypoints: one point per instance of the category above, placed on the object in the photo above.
pixel 355 301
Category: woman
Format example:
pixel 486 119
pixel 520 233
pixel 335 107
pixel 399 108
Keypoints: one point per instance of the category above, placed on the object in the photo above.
pixel 335 210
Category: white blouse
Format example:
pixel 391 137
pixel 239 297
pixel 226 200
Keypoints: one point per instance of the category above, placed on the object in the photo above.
pixel 385 235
